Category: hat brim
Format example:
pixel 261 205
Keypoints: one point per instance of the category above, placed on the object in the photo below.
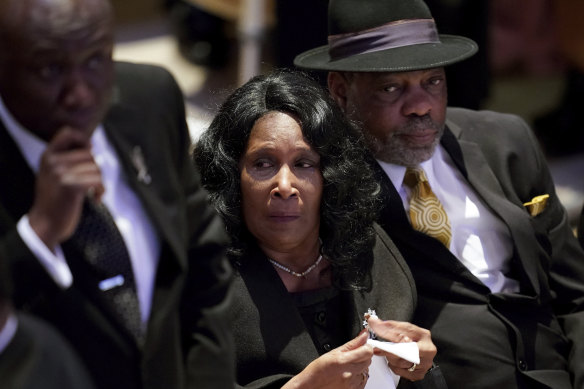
pixel 449 50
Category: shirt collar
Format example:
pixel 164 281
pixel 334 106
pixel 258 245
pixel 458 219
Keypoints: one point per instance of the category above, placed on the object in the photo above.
pixel 30 145
pixel 396 173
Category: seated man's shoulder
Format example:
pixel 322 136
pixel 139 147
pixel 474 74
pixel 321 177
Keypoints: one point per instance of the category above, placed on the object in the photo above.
pixel 488 127
pixel 464 116
pixel 145 85
pixel 139 76
pixel 138 70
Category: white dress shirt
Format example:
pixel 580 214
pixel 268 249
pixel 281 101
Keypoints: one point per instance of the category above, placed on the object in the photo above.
pixel 124 205
pixel 480 240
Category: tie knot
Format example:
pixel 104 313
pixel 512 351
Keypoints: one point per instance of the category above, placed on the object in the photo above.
pixel 413 176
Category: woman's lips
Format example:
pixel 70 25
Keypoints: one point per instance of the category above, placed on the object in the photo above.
pixel 284 217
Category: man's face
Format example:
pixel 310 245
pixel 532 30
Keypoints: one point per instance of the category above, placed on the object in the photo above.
pixel 402 114
pixel 58 72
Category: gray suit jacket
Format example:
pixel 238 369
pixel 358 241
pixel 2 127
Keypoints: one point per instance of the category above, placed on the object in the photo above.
pixel 147 112
pixel 533 339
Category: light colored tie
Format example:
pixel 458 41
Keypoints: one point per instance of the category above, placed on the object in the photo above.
pixel 426 212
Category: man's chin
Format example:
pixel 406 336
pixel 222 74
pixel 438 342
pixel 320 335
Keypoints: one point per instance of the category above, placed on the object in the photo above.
pixel 84 126
pixel 406 156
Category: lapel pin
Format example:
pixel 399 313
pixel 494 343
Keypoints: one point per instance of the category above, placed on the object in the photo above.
pixel 139 163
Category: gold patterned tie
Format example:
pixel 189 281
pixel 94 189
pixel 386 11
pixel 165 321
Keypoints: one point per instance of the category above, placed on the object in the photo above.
pixel 426 212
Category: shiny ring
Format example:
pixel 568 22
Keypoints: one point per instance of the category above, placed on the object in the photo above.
pixel 364 376
pixel 413 367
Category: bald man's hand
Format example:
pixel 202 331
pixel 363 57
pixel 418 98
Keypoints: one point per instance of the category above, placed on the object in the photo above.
pixel 66 175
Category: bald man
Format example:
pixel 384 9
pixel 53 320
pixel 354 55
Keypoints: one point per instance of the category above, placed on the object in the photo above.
pixel 104 210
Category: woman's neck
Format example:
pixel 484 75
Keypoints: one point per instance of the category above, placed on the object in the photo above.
pixel 319 278
pixel 297 258
pixel 301 268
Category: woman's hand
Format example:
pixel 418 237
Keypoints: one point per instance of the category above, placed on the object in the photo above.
pixel 344 367
pixel 398 331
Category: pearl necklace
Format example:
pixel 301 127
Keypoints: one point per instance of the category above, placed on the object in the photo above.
pixel 296 274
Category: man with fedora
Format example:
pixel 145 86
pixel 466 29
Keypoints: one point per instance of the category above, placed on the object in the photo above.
pixel 469 201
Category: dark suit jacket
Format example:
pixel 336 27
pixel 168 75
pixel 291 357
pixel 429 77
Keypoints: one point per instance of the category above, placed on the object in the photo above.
pixel 147 111
pixel 38 357
pixel 272 343
pixel 581 229
pixel 533 339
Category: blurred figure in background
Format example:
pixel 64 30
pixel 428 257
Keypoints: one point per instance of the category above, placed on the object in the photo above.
pixel 32 354
pixel 104 210
pixel 202 36
pixel 468 81
pixel 561 131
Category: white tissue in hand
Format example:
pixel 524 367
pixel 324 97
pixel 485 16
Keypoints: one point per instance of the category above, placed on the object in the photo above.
pixel 407 350
pixel 380 375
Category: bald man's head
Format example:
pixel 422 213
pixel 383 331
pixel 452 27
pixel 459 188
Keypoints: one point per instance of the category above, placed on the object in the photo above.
pixel 55 62
pixel 54 17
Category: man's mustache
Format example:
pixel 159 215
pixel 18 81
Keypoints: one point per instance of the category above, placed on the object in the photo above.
pixel 418 124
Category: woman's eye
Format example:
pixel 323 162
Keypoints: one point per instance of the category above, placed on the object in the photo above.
pixel 262 164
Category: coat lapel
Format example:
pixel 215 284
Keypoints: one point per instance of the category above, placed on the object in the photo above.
pixel 471 161
pixel 17 189
pixel 137 158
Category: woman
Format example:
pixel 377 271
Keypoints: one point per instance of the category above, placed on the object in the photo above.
pixel 288 175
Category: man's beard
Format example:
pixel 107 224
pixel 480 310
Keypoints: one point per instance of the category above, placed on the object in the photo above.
pixel 396 149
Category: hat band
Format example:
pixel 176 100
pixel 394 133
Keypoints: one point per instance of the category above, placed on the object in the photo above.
pixel 388 36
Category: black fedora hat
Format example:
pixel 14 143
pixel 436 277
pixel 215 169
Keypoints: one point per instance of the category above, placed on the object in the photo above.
pixel 384 36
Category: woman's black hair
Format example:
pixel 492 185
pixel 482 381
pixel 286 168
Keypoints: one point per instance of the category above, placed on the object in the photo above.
pixel 350 195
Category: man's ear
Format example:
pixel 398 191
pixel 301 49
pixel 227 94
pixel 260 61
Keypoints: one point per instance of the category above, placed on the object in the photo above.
pixel 337 85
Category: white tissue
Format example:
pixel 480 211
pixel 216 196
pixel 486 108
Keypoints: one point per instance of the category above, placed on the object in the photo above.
pixel 406 350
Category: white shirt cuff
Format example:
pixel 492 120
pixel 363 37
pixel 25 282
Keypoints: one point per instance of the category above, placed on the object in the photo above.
pixel 54 263
pixel 7 333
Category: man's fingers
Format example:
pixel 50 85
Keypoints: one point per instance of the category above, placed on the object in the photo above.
pixel 68 139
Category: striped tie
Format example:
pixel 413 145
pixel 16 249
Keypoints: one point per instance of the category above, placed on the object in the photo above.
pixel 426 213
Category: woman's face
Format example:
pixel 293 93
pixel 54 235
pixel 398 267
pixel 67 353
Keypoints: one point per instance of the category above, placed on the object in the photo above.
pixel 281 184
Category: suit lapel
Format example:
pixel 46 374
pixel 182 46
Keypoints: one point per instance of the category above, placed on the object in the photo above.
pixel 17 189
pixel 120 126
pixel 471 161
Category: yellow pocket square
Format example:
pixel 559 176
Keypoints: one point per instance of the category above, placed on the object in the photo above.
pixel 537 204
